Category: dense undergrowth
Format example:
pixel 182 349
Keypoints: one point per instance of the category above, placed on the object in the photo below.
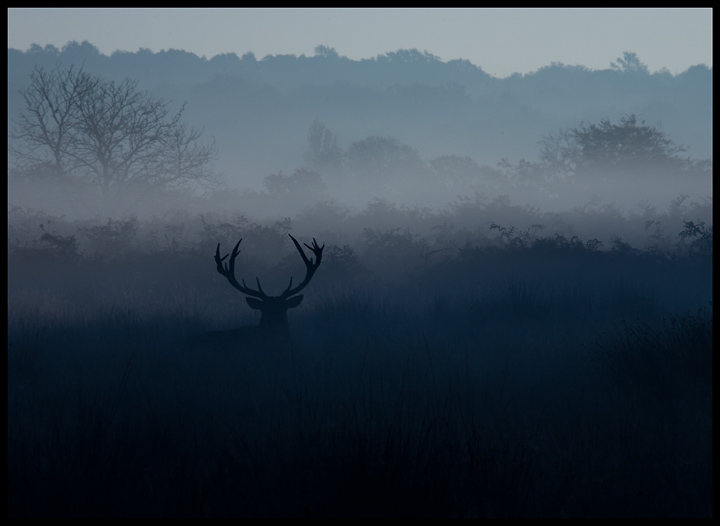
pixel 503 372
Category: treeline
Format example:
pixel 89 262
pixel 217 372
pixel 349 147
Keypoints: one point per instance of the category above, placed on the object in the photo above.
pixel 109 148
pixel 260 109
pixel 327 68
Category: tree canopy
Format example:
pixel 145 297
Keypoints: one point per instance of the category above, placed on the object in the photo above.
pixel 607 148
pixel 77 128
pixel 374 157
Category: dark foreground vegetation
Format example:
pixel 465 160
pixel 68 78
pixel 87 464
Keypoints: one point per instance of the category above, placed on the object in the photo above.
pixel 521 373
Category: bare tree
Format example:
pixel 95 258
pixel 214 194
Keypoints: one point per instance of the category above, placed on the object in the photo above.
pixel 80 128
pixel 44 129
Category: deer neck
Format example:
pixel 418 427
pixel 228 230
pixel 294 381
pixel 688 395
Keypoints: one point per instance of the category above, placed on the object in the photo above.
pixel 274 322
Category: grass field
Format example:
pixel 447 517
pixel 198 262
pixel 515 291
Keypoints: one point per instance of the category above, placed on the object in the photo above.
pixel 501 389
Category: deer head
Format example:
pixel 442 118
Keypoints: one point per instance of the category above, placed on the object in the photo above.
pixel 273 309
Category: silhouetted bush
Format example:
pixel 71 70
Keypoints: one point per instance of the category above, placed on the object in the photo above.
pixel 703 245
pixel 111 240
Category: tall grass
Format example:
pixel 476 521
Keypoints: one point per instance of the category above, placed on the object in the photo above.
pixel 396 405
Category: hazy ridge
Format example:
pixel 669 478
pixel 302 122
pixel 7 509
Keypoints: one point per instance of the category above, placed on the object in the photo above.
pixel 259 110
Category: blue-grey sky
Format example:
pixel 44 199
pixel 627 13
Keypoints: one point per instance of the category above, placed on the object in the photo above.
pixel 501 41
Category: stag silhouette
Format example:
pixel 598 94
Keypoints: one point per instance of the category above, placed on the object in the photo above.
pixel 273 327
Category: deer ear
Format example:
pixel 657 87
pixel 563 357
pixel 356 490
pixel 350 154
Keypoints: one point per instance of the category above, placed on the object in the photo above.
pixel 293 302
pixel 254 303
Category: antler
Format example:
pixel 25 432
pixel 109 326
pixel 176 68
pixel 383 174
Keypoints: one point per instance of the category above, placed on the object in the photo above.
pixel 229 272
pixel 310 265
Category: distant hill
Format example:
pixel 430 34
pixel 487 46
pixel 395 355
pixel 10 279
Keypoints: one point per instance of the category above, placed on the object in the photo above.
pixel 259 111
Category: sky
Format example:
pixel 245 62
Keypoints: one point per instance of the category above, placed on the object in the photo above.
pixel 500 41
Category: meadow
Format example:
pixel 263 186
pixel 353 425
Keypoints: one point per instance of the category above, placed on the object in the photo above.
pixel 524 375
